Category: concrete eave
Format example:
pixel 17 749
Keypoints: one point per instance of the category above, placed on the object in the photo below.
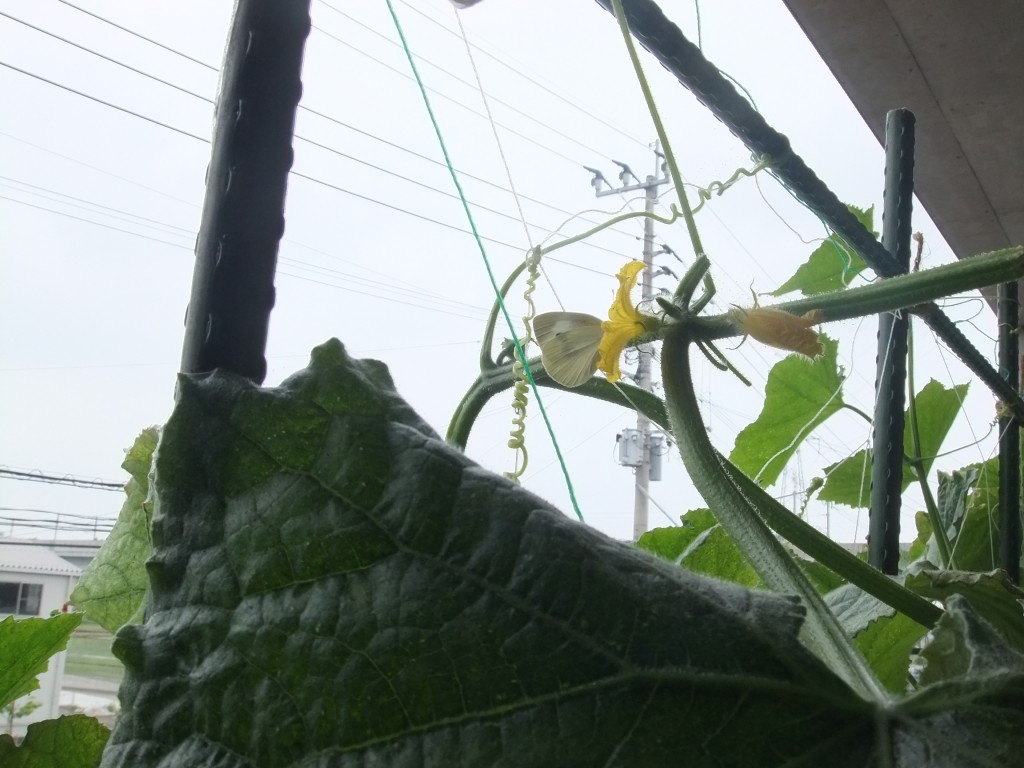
pixel 959 67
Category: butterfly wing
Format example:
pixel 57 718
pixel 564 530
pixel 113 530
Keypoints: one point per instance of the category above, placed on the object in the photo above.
pixel 568 345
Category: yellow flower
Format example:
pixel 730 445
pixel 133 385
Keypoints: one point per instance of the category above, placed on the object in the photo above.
pixel 624 323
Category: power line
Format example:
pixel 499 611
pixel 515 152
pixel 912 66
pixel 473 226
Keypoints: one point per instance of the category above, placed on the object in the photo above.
pixel 104 56
pixel 389 295
pixel 461 173
pixel 95 223
pixel 520 71
pixel 293 173
pixel 452 227
pixel 56 525
pixel 391 278
pixel 56 514
pixel 142 37
pixel 48 194
pixel 443 192
pixel 397 71
pixel 190 235
pixel 401 73
pixel 297 136
pixel 301 107
pixel 104 171
pixel 104 103
pixel 454 76
pixel 39 476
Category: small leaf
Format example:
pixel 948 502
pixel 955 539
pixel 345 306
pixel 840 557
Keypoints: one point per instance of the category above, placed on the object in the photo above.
pixel 831 266
pixel 26 646
pixel 799 395
pixel 113 585
pixel 72 741
pixel 993 596
pixel 849 481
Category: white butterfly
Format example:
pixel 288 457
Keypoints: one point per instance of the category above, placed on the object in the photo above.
pixel 568 345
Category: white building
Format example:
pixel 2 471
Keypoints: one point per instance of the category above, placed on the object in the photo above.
pixel 33 582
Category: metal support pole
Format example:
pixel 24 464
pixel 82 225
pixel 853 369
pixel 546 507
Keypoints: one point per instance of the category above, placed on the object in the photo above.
pixel 243 213
pixel 891 363
pixel 1009 435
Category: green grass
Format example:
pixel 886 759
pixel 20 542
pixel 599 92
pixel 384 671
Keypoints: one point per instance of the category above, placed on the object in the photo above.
pixel 89 655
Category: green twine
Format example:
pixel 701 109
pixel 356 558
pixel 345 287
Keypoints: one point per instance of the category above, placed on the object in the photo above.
pixel 483 254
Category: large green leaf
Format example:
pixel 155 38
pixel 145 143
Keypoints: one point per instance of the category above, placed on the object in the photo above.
pixel 849 481
pixel 113 585
pixel 26 646
pixel 885 637
pixel 800 394
pixel 332 585
pixel 74 741
pixel 831 266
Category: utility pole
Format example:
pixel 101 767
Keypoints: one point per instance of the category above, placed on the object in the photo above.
pixel 635 447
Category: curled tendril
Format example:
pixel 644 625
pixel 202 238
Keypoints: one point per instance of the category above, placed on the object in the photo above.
pixel 717 188
pixel 521 387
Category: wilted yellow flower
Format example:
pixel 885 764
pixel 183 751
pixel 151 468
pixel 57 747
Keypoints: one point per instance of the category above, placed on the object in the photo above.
pixel 624 324
pixel 780 329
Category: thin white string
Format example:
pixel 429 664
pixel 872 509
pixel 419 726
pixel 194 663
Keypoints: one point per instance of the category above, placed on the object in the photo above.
pixel 981 453
pixel 501 151
pixel 804 430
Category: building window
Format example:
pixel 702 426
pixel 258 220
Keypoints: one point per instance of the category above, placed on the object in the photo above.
pixel 22 599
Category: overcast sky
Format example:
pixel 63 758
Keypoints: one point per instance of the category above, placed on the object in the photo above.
pixel 99 209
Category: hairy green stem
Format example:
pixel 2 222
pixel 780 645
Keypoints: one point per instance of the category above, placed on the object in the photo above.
pixel 675 362
pixel 497 379
pixel 744 520
pixel 893 293
pixel 486 361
